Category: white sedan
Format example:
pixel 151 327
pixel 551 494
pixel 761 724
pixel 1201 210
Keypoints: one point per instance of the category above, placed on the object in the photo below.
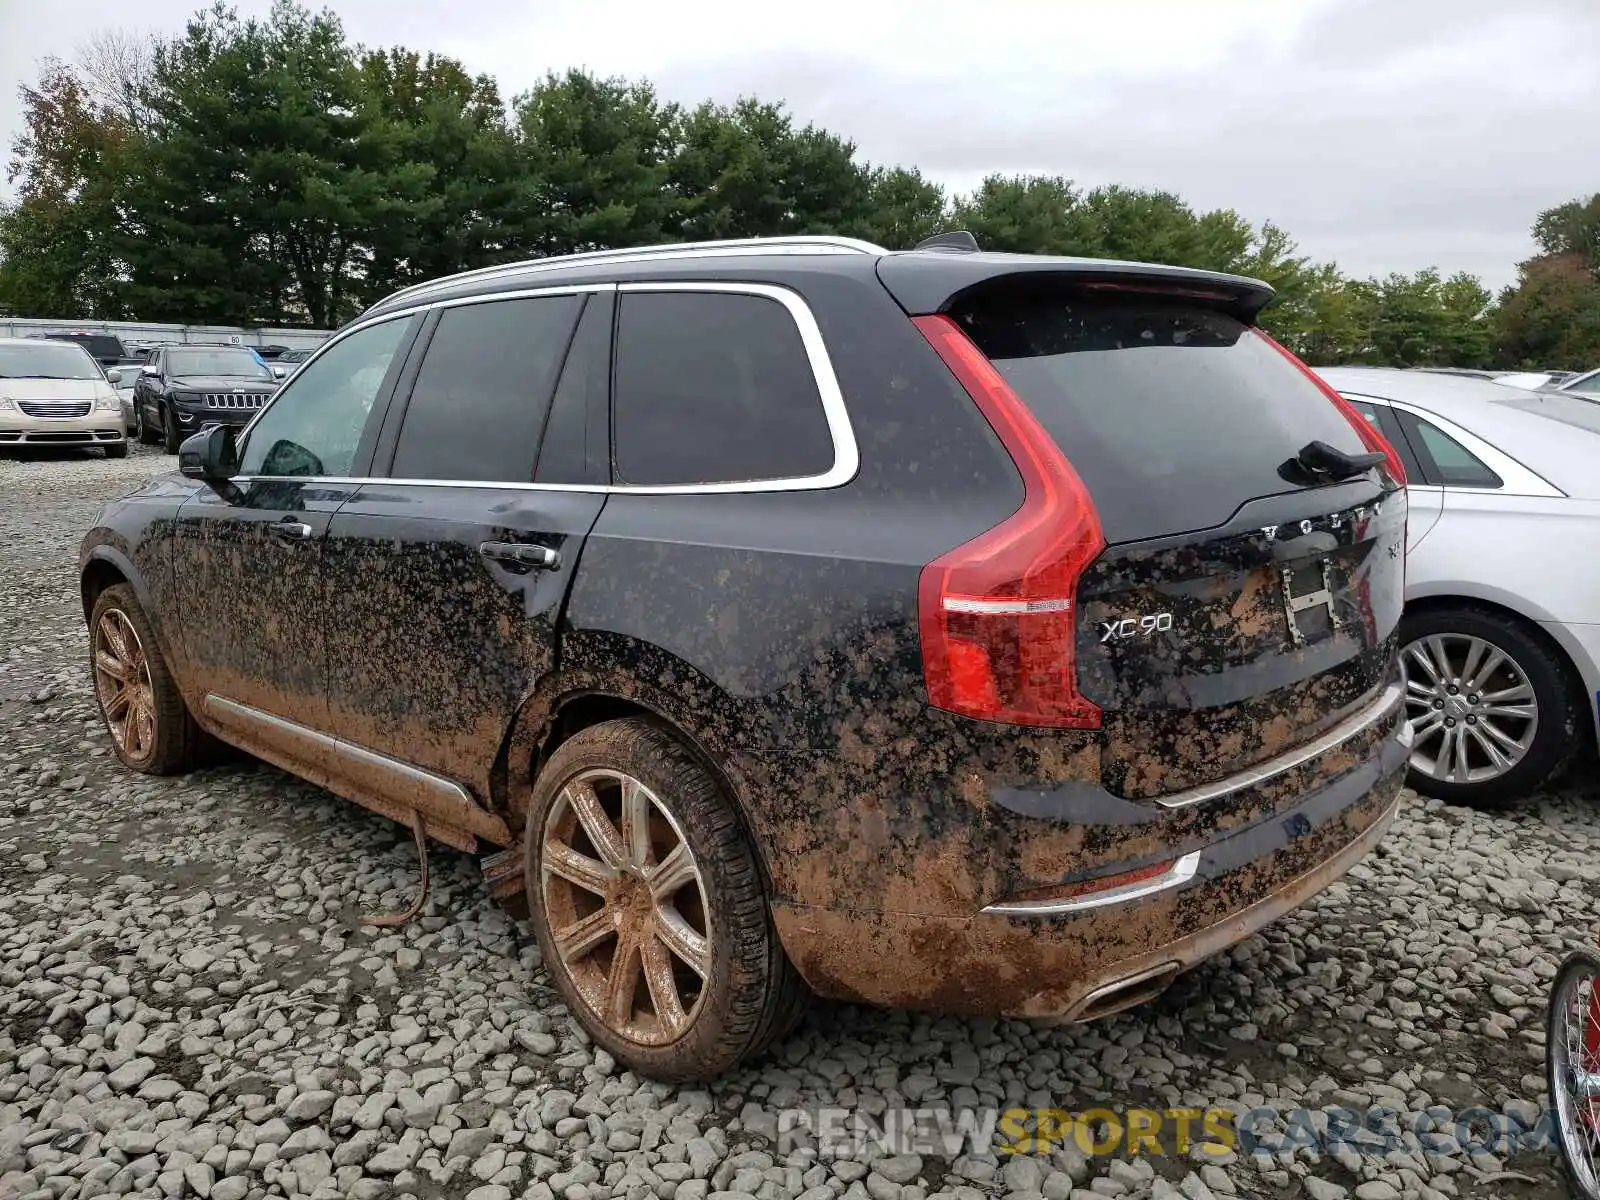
pixel 1501 633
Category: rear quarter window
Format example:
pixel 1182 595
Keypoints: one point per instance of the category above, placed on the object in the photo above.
pixel 714 387
pixel 1173 413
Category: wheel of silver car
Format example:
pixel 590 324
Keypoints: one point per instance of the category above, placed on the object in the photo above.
pixel 150 727
pixel 1488 705
pixel 649 906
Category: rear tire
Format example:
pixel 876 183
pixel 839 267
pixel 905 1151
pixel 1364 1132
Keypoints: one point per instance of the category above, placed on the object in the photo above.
pixel 1582 1158
pixel 674 1022
pixel 1530 677
pixel 150 726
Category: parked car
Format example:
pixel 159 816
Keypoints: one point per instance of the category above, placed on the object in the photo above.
pixel 287 363
pixel 123 380
pixel 1528 380
pixel 1587 383
pixel 105 348
pixel 185 389
pixel 54 394
pixel 1502 627
pixel 768 637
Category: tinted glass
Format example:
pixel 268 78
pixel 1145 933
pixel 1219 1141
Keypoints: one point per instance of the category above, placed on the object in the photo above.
pixel 1455 464
pixel 47 360
pixel 573 449
pixel 314 425
pixel 479 404
pixel 1367 409
pixel 714 388
pixel 240 363
pixel 1173 414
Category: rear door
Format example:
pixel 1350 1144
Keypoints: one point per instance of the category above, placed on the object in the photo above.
pixel 1243 604
pixel 448 576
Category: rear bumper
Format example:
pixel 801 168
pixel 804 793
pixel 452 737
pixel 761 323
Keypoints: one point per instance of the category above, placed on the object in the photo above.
pixel 1069 960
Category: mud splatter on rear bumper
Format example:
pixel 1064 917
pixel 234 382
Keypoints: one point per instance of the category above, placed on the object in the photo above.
pixel 1055 966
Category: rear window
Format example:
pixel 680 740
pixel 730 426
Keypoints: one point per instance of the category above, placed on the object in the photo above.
pixel 1174 414
pixel 1569 409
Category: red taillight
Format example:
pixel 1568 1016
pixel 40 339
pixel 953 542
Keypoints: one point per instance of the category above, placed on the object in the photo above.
pixel 998 616
pixel 1370 437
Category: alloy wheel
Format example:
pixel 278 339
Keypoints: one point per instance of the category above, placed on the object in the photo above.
pixel 122 682
pixel 1575 1072
pixel 1473 711
pixel 626 906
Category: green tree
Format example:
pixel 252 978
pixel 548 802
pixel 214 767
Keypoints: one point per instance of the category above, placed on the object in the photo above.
pixel 745 171
pixel 58 252
pixel 903 208
pixel 594 165
pixel 1024 214
pixel 1551 318
pixel 452 126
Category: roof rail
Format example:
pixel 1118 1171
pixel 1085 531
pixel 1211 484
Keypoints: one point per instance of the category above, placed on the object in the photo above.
pixel 800 244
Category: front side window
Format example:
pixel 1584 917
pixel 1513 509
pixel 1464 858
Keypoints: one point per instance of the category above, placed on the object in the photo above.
pixel 314 426
pixel 239 364
pixel 714 387
pixel 479 405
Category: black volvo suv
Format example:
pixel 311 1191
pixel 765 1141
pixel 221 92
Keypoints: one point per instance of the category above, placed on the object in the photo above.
pixel 183 390
pixel 972 632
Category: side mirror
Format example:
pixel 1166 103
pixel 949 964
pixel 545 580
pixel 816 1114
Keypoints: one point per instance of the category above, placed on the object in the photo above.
pixel 113 376
pixel 209 455
pixel 149 369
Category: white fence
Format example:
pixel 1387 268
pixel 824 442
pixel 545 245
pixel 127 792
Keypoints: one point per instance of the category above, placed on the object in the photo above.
pixel 152 331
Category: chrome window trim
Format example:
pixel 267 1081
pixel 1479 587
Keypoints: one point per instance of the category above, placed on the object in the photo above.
pixel 1515 478
pixel 846 452
pixel 727 248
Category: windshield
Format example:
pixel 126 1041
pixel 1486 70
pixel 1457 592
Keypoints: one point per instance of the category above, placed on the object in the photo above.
pixel 1585 383
pixel 294 356
pixel 47 360
pixel 216 362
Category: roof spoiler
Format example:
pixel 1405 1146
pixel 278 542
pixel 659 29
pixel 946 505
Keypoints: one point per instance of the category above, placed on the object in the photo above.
pixel 925 283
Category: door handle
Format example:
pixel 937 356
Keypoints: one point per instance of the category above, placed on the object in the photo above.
pixel 291 531
pixel 537 558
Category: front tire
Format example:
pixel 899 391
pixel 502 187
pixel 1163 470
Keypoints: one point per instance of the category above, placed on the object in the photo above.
pixel 169 429
pixel 649 905
pixel 1572 1055
pixel 118 449
pixel 150 726
pixel 1491 711
pixel 145 435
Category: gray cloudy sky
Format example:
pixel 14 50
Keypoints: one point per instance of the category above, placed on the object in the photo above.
pixel 1382 134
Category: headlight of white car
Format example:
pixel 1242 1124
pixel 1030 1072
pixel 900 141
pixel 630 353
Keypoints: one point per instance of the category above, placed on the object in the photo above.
pixel 108 401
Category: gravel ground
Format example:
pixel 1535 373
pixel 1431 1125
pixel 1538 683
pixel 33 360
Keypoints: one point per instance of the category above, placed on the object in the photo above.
pixel 188 1004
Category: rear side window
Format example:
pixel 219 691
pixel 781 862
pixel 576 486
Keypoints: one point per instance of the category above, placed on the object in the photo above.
pixel 478 407
pixel 713 387
pixel 1174 414
pixel 1445 459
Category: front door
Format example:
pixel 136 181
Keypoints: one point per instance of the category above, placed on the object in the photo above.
pixel 461 559
pixel 247 565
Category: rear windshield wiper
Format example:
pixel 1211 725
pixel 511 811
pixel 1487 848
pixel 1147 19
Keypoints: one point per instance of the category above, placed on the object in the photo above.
pixel 1328 464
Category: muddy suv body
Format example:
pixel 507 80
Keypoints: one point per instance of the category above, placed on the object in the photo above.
pixel 980 633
